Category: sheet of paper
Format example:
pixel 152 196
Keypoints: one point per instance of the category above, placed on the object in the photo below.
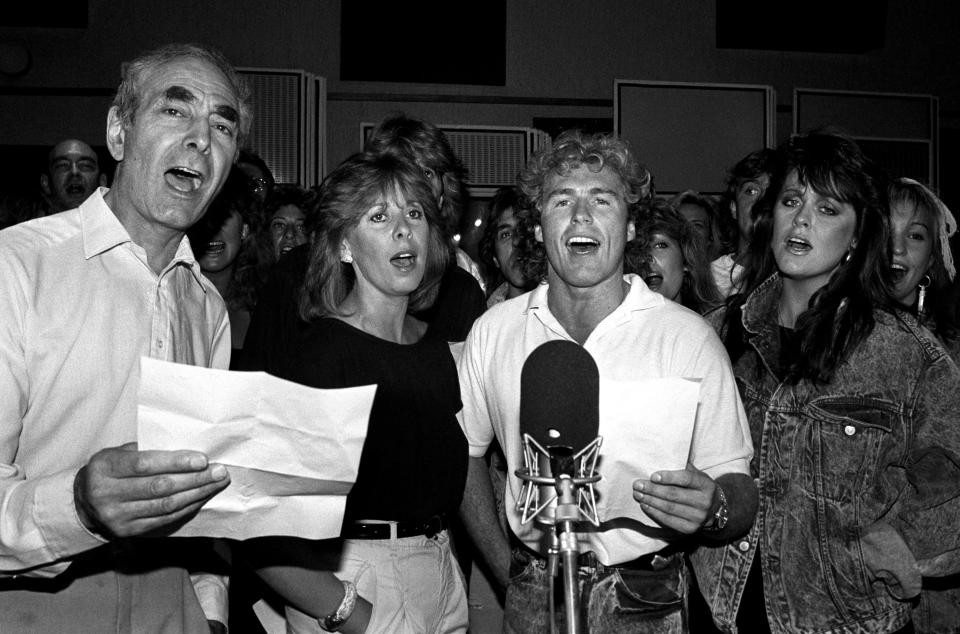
pixel 292 451
pixel 647 426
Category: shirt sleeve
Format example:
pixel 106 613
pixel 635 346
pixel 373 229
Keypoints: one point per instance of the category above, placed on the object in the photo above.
pixel 474 418
pixel 36 535
pixel 721 437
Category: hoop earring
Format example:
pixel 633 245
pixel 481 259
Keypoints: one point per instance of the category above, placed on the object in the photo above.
pixel 922 295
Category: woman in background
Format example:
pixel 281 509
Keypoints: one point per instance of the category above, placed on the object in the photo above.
pixel 701 212
pixel 223 243
pixel 378 255
pixel 668 254
pixel 923 269
pixel 852 409
pixel 286 225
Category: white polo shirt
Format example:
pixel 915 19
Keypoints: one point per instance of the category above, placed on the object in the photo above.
pixel 645 337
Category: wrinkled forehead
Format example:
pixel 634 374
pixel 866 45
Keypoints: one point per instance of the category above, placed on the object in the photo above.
pixel 182 77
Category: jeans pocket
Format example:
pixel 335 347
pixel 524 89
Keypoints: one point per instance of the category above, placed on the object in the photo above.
pixel 648 592
pixel 522 566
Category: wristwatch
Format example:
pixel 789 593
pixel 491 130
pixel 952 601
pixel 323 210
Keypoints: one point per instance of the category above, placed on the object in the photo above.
pixel 719 519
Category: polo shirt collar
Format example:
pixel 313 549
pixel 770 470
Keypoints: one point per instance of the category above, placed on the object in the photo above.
pixel 639 297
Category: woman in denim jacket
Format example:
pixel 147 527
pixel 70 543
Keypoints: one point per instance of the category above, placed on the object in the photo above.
pixel 852 408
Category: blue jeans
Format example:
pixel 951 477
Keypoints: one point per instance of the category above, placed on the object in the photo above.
pixel 613 600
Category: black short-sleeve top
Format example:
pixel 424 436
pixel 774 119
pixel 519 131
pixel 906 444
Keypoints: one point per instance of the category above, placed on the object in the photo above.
pixel 414 460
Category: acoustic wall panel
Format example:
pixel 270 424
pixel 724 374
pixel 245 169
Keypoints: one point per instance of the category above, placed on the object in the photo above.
pixel 689 134
pixel 899 131
pixel 288 123
pixel 493 155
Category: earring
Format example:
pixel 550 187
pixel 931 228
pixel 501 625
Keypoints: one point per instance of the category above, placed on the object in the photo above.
pixel 847 257
pixel 922 295
pixel 346 258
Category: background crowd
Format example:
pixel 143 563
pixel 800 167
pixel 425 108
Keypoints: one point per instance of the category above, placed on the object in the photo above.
pixel 815 300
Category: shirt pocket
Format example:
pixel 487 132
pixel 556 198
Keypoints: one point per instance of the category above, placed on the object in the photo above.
pixel 846 442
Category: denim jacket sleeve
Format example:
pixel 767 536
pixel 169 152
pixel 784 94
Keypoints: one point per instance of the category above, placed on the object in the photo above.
pixel 928 515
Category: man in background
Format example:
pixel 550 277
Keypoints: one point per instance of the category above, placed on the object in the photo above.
pixel 73 174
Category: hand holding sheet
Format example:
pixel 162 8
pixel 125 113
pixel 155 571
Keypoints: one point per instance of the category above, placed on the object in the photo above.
pixel 292 451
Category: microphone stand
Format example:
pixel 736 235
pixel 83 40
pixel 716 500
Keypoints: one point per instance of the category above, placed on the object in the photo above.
pixel 567 513
pixel 573 500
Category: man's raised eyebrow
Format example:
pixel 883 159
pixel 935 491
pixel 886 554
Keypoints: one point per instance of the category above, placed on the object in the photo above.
pixel 179 93
pixel 569 191
pixel 604 190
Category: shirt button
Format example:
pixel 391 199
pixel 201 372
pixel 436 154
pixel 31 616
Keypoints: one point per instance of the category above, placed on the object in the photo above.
pixel 744 546
pixel 849 430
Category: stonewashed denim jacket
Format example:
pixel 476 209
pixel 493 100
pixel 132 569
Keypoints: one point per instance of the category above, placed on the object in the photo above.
pixel 859 479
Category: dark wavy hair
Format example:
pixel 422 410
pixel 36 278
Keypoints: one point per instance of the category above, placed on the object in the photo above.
pixel 698 292
pixel 281 195
pixel 234 197
pixel 426 145
pixel 343 197
pixel 503 199
pixel 840 314
pixel 943 314
pixel 569 151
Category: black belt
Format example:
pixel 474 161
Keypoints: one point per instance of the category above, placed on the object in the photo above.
pixel 381 530
pixel 660 560
pixel 668 557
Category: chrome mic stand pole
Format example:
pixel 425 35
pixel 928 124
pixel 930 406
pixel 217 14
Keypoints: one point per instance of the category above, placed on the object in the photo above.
pixel 566 514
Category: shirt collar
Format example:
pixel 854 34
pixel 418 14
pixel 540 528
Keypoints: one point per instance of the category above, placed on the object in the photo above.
pixel 99 226
pixel 759 309
pixel 102 231
pixel 639 297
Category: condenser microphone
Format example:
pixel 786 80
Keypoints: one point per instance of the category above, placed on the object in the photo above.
pixel 559 421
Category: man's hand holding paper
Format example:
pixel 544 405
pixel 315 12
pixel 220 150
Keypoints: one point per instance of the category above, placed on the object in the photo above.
pixel 292 451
